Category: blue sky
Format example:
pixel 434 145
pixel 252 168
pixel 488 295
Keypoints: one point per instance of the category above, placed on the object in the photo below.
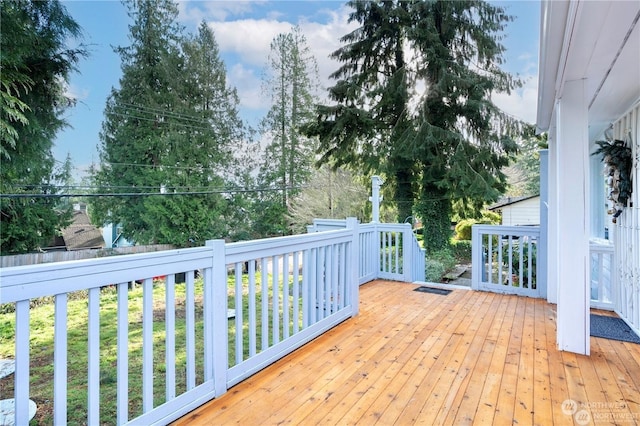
pixel 244 30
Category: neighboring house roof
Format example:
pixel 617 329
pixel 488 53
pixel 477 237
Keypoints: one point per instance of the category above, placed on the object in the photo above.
pixel 509 201
pixel 81 234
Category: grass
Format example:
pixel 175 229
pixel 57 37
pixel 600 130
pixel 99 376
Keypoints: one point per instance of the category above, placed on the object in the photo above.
pixel 41 347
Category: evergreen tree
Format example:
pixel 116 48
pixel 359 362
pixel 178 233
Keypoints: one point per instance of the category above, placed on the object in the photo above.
pixel 168 129
pixel 291 77
pixel 36 64
pixel 448 143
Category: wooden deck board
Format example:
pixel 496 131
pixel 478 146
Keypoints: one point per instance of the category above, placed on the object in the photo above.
pixel 465 358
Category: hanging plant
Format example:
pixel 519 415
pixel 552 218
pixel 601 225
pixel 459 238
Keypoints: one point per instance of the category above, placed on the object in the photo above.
pixel 618 162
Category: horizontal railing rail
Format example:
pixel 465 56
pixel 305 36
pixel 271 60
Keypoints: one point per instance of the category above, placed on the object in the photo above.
pixel 165 332
pixel 505 260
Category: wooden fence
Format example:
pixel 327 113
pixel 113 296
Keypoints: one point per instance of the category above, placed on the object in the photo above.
pixel 63 256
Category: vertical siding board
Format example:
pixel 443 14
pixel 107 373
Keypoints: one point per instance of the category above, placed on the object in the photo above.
pixel 60 360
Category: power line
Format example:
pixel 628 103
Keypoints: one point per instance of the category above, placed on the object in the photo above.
pixel 148 194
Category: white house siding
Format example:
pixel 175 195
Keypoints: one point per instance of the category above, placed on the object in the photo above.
pixel 525 212
pixel 627 228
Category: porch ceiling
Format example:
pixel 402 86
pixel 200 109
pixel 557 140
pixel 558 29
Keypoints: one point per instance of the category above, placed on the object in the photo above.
pixel 594 40
pixel 420 358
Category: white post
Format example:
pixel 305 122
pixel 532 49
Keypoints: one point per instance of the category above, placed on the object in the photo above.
pixel 376 199
pixel 216 340
pixel 573 224
pixel 407 252
pixel 544 222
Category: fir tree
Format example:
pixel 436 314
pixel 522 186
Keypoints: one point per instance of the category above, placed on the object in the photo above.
pixel 426 121
pixel 35 63
pixel 290 80
pixel 168 129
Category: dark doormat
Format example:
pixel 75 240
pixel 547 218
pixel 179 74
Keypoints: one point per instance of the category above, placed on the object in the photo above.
pixel 612 328
pixel 432 290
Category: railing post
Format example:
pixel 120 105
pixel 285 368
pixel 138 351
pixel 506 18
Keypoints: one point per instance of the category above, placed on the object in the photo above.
pixel 376 199
pixel 407 252
pixel 216 331
pixel 477 263
pixel 353 280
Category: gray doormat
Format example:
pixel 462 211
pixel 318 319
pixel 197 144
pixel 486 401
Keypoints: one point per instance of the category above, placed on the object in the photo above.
pixel 612 328
pixel 433 290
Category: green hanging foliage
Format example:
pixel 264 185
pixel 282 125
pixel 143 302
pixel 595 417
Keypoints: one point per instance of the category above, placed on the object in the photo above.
pixel 618 161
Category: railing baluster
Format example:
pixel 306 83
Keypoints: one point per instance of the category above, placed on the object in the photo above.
pixel 313 289
pixel 306 297
pixel 239 314
pixel 22 359
pixel 264 286
pixel 93 376
pixel 296 292
pixel 275 282
pixel 60 360
pixel 521 263
pixel 147 345
pixel 334 278
pixel 252 307
pixel 122 393
pixel 285 296
pixel 398 245
pixel 170 335
pixel 320 283
pixel 190 325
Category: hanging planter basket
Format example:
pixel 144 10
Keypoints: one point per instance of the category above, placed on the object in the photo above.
pixel 618 162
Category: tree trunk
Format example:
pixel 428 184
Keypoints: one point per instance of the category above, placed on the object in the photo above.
pixel 434 208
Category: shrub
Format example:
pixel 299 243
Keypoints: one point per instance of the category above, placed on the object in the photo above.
pixel 461 251
pixel 438 264
pixel 463 229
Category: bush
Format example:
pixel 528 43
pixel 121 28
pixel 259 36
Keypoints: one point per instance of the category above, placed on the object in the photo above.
pixel 438 264
pixel 461 251
pixel 463 229
pixel 435 271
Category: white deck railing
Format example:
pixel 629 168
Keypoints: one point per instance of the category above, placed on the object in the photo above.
pixel 388 251
pixel 602 276
pixel 505 259
pixel 181 340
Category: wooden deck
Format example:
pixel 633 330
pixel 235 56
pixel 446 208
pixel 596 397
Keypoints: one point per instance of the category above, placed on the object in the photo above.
pixel 463 358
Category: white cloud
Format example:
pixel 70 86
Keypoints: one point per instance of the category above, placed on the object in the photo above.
pixel 249 41
pixel 521 103
pixel 248 85
pixel 193 12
